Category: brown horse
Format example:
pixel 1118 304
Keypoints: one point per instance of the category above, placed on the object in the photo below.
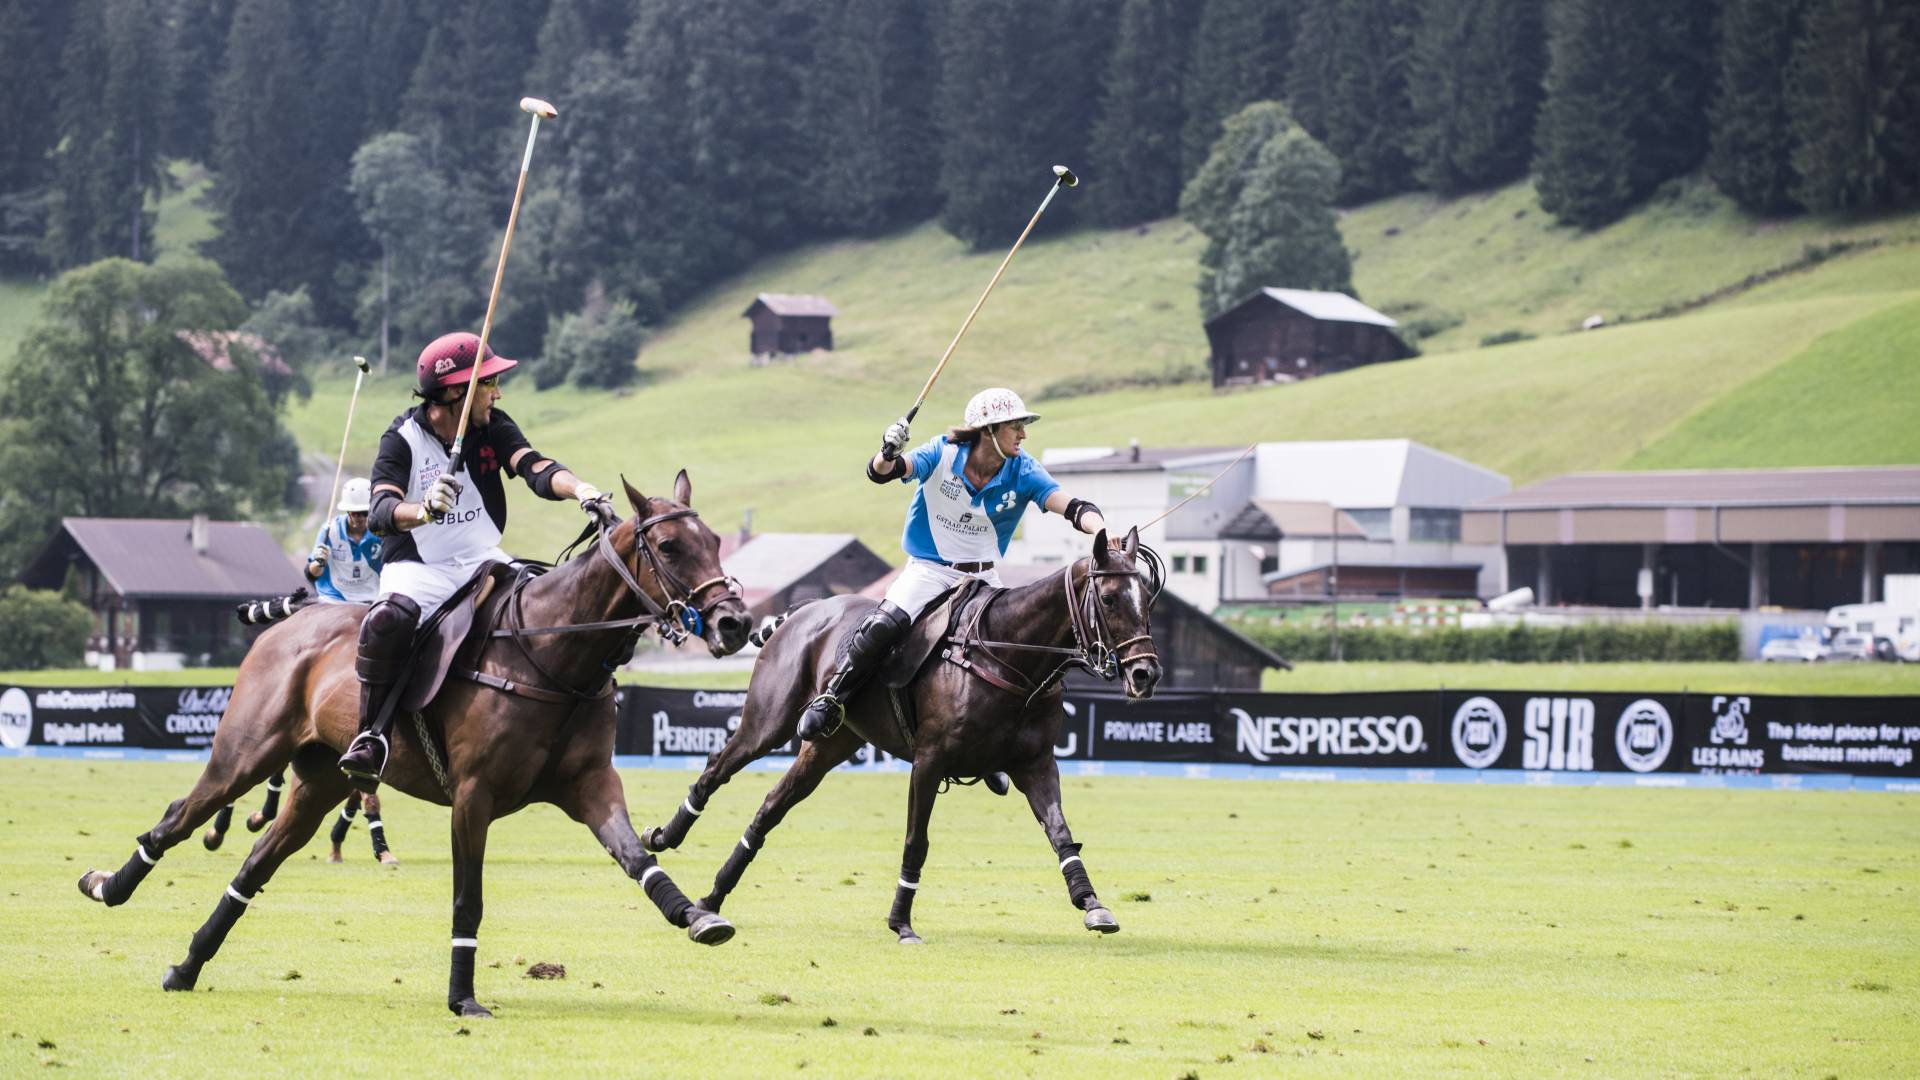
pixel 534 722
pixel 990 702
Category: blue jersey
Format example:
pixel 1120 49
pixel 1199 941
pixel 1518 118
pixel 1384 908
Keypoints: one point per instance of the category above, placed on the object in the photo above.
pixel 950 521
pixel 351 573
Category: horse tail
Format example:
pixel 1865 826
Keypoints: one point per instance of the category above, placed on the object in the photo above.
pixel 261 612
pixel 764 632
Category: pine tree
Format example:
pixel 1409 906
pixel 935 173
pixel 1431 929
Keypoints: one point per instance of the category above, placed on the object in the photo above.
pixel 868 115
pixel 1854 98
pixel 1347 77
pixel 196 36
pixel 1264 200
pixel 32 33
pixel 1313 64
pixel 113 93
pixel 1625 105
pixel 460 99
pixel 1751 144
pixel 1134 160
pixel 1239 56
pixel 1474 79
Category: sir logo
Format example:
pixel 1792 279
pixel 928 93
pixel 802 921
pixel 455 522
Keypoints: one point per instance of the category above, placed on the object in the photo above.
pixel 1559 733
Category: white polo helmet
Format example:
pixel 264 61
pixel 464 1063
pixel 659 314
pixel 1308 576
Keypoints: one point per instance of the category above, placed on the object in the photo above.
pixel 997 406
pixel 356 497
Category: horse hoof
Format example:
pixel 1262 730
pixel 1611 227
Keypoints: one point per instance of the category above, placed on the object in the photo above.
pixel 255 822
pixel 908 937
pixel 469 1009
pixel 1101 919
pixel 652 841
pixel 387 858
pixel 334 856
pixel 93 886
pixel 709 928
pixel 212 839
pixel 179 977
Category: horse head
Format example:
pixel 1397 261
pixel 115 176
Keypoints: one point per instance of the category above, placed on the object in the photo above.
pixel 676 559
pixel 1125 586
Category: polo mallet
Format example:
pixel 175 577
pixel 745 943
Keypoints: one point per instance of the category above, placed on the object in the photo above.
pixel 540 110
pixel 334 499
pixel 1062 177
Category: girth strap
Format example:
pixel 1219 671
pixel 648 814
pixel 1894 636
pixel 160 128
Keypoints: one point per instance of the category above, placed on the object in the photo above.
pixel 535 693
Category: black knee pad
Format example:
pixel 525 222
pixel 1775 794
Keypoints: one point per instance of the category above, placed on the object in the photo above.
pixel 385 636
pixel 879 631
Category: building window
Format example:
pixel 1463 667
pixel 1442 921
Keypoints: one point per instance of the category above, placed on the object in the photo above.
pixel 1434 524
pixel 1199 564
pixel 1377 524
pixel 1270 565
pixel 1179 564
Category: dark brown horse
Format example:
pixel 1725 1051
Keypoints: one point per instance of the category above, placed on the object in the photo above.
pixel 532 722
pixel 989 702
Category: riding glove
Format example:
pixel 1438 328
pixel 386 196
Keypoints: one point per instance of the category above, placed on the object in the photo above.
pixel 442 494
pixel 894 440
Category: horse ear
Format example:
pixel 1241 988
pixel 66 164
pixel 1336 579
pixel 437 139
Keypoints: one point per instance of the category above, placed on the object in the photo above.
pixel 1132 544
pixel 1100 548
pixel 683 489
pixel 634 498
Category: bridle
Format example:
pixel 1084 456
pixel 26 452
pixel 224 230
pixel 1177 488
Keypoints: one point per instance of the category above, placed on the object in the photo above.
pixel 1087 618
pixel 676 619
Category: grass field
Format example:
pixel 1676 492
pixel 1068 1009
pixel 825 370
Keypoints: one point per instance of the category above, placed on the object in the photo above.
pixel 1306 678
pixel 1356 929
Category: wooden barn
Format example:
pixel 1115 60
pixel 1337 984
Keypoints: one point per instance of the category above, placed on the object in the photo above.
pixel 788 323
pixel 1284 335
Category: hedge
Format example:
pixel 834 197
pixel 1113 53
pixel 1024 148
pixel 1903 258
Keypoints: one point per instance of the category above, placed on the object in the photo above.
pixel 1577 643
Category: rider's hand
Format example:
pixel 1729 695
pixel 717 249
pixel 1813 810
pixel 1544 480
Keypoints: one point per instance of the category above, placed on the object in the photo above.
pixel 441 495
pixel 319 555
pixel 591 501
pixel 894 440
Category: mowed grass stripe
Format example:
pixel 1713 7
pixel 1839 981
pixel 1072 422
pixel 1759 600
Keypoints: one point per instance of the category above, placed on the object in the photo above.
pixel 1414 930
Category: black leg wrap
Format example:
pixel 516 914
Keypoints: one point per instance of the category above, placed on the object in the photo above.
pixel 378 830
pixel 665 894
pixel 223 820
pixel 901 914
pixel 271 808
pixel 460 976
pixel 126 879
pixel 730 871
pixel 340 826
pixel 213 933
pixel 677 829
pixel 1079 889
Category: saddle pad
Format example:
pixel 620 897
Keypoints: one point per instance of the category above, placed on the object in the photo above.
pixel 447 629
pixel 932 627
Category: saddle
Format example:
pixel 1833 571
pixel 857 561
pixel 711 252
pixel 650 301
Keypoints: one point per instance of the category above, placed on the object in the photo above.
pixel 455 631
pixel 912 655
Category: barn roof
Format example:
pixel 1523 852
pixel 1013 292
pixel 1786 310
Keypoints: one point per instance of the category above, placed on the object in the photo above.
pixel 772 561
pixel 148 558
pixel 1325 306
pixel 794 304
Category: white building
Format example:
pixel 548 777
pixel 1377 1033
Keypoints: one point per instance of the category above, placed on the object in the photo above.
pixel 1386 512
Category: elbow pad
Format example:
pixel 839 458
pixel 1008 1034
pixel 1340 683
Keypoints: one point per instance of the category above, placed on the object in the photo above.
pixel 380 515
pixel 542 482
pixel 893 473
pixel 1077 509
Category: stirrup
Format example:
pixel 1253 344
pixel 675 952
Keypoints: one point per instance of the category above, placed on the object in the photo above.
pixel 358 775
pixel 831 727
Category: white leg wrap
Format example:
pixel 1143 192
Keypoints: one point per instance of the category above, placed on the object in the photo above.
pixel 688 803
pixel 376 824
pixel 746 843
pixel 274 784
pixel 1068 860
pixel 235 893
pixel 648 876
pixel 150 860
pixel 905 884
pixel 466 943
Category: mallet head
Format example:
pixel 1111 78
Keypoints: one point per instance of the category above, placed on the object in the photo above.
pixel 361 363
pixel 1067 179
pixel 538 108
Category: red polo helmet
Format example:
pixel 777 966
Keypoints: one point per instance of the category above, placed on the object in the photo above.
pixel 448 361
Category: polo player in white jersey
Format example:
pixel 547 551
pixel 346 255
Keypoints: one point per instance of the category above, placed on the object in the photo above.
pixel 437 528
pixel 975 483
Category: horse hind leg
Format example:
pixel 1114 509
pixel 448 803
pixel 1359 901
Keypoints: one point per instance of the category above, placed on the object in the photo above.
pixel 319 788
pixel 269 809
pixel 598 800
pixel 226 776
pixel 216 833
pixel 764 726
pixel 815 761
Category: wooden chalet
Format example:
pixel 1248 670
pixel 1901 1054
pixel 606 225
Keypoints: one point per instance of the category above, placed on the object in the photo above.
pixel 789 323
pixel 163 591
pixel 1285 335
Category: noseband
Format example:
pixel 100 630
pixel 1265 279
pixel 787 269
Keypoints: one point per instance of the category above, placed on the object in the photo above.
pixel 681 616
pixel 1090 629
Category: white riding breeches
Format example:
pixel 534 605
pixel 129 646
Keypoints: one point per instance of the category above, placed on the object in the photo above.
pixel 921 581
pixel 429 584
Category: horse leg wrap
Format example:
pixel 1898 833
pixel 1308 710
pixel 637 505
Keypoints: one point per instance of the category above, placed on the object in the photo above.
pixel 460 971
pixel 666 896
pixel 736 865
pixel 271 808
pixel 213 933
pixel 223 819
pixel 116 889
pixel 683 818
pixel 378 830
pixel 341 824
pixel 901 914
pixel 1079 889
